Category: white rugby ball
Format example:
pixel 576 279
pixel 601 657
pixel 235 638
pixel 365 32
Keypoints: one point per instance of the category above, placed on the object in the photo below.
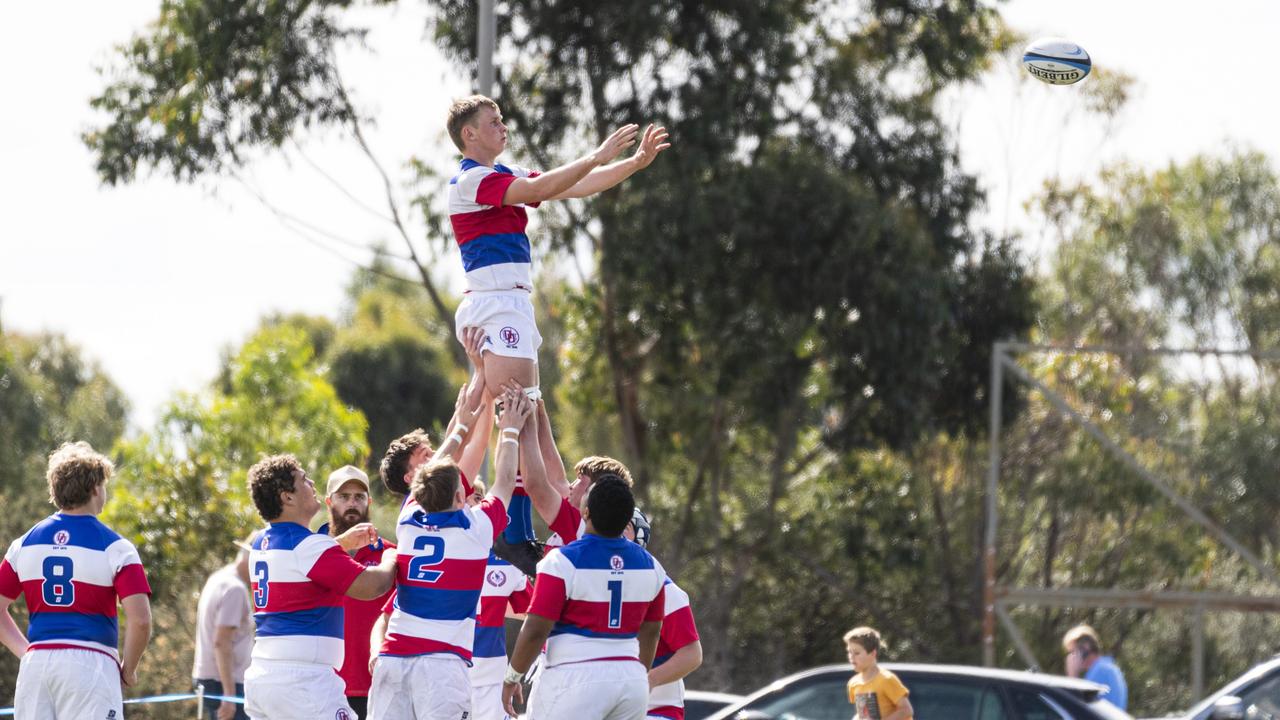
pixel 1056 61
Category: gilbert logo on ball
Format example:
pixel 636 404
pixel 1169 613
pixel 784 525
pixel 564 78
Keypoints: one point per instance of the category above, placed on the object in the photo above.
pixel 1056 61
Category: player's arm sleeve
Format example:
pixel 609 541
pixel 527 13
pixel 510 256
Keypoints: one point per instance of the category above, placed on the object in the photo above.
pixel 566 523
pixel 485 186
pixel 333 569
pixel 527 174
pixel 520 598
pixel 492 508
pixel 131 578
pixel 10 583
pixel 390 604
pixel 658 608
pixel 550 591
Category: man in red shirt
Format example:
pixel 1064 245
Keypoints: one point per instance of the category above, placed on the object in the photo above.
pixel 347 495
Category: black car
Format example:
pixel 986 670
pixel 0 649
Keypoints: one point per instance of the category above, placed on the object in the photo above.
pixel 699 705
pixel 938 692
pixel 1254 695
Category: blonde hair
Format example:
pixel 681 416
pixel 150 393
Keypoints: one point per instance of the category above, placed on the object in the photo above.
pixel 462 112
pixel 596 467
pixel 75 469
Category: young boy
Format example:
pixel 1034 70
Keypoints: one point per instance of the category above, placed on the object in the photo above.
pixel 876 694
pixel 487 204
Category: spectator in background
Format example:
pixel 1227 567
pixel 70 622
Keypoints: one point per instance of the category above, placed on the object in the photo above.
pixel 224 637
pixel 347 495
pixel 1085 659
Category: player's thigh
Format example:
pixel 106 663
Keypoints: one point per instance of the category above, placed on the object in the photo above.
pixel 486 702
pixel 508 322
pixel 295 692
pixel 553 697
pixel 83 685
pixel 442 689
pixel 389 698
pixel 631 691
pixel 31 697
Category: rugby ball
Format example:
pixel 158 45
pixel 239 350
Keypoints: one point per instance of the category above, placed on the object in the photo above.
pixel 1056 61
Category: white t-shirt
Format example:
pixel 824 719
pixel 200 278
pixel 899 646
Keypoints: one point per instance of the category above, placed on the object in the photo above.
pixel 224 602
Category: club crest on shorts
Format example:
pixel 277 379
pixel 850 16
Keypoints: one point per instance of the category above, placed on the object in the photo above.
pixel 509 336
pixel 496 578
pixel 615 562
pixel 342 714
pixel 62 537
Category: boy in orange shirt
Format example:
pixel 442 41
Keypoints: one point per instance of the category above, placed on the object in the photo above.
pixel 876 694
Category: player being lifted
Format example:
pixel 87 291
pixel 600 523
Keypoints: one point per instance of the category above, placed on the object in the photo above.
pixel 487 202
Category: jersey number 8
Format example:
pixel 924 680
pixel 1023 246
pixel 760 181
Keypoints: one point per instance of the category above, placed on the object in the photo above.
pixel 57 588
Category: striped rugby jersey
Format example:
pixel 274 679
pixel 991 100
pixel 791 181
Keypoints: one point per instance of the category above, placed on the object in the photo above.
pixel 71 569
pixel 299 580
pixel 503 585
pixel 495 249
pixel 598 591
pixel 440 571
pixel 567 527
pixel 678 630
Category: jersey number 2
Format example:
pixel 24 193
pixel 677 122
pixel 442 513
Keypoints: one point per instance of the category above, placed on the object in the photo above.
pixel 419 566
pixel 57 588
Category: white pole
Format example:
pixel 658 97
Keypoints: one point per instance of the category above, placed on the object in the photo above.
pixel 485 36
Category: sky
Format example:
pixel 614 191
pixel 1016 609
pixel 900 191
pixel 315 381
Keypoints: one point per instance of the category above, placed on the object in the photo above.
pixel 154 279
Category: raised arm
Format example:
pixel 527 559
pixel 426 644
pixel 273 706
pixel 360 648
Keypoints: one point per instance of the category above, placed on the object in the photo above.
pixel 545 498
pixel 526 191
pixel 465 418
pixel 603 178
pixel 137 633
pixel 477 442
pixel 551 460
pixel 516 409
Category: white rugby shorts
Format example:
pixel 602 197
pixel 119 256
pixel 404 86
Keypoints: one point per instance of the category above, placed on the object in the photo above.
pixel 68 684
pixel 507 319
pixel 283 690
pixel 598 690
pixel 486 703
pixel 422 687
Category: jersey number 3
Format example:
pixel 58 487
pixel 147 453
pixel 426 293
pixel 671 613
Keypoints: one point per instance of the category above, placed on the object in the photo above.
pixel 419 566
pixel 57 588
pixel 260 586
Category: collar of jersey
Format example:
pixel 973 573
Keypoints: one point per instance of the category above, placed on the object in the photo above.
pixel 449 518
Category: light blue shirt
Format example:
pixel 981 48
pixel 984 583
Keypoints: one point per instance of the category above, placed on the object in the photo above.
pixel 1105 672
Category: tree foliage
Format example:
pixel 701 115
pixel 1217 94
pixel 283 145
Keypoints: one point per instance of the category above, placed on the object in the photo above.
pixel 182 495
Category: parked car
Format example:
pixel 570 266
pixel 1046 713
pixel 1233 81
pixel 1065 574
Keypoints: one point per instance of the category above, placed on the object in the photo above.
pixel 938 692
pixel 699 704
pixel 1254 695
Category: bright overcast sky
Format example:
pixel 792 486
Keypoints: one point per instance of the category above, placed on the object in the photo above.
pixel 152 280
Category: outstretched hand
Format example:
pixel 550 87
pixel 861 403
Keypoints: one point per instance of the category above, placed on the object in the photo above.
pixel 621 139
pixel 655 141
pixel 473 339
pixel 516 408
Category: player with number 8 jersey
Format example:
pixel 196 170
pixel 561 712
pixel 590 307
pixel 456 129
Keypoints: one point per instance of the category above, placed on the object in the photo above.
pixel 422 668
pixel 71 568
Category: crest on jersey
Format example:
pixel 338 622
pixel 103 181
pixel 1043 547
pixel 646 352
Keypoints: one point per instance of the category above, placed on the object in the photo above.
pixel 62 537
pixel 615 562
pixel 509 336
pixel 496 578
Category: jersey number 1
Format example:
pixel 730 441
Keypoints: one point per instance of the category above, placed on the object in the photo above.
pixel 615 603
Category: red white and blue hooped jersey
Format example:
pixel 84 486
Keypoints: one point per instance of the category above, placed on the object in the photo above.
pixel 678 630
pixel 599 591
pixel 567 526
pixel 72 569
pixel 495 249
pixel 299 580
pixel 440 571
pixel 503 585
